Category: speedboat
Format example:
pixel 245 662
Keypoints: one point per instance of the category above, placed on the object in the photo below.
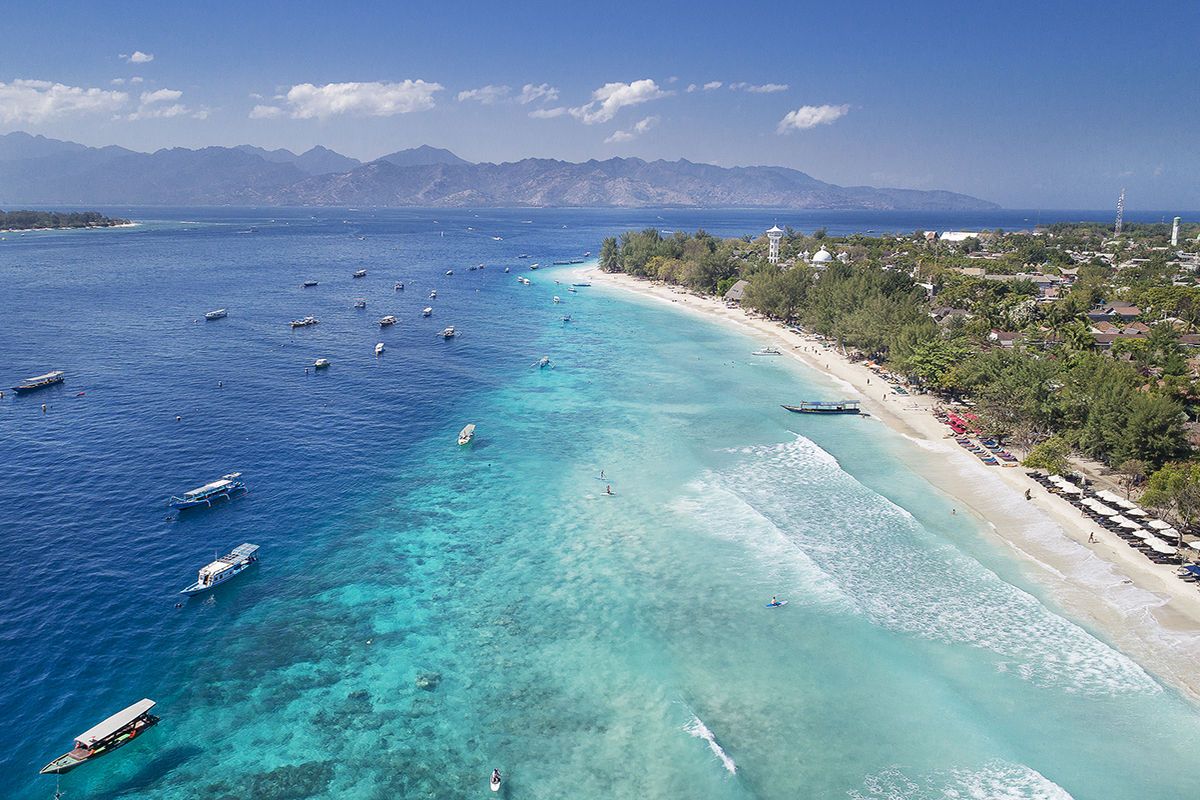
pixel 216 314
pixel 379 348
pixel 39 382
pixel 767 351
pixel 116 731
pixel 467 434
pixel 433 294
pixel 556 299
pixel 310 283
pixel 218 491
pixel 506 269
pixel 306 321
pixel 362 273
pixel 224 568
pixel 321 363
pixel 399 286
pixel 449 272
pixel 388 320
pixel 572 289
pixel 428 310
pixel 360 303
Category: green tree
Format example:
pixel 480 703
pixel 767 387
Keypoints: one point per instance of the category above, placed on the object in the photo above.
pixel 1173 491
pixel 1050 455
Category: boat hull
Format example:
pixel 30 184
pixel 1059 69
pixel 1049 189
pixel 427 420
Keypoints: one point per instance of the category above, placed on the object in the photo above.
pixel 200 588
pixel 36 387
pixel 183 504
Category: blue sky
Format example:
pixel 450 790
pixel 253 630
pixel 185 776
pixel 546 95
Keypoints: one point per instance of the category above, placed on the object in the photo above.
pixel 1031 105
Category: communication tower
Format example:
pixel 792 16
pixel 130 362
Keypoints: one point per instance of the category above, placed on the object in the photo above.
pixel 1120 212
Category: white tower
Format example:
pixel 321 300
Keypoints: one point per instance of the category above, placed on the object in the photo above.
pixel 1175 233
pixel 775 234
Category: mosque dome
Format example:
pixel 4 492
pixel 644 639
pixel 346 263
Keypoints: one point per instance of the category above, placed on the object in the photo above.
pixel 822 256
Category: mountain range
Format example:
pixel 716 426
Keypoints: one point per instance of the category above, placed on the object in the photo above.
pixel 37 171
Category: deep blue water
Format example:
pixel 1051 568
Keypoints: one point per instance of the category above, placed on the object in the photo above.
pixel 423 613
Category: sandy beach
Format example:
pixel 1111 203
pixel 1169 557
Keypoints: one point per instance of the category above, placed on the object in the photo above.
pixel 1102 583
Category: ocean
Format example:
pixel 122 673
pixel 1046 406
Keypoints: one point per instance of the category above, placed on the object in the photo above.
pixel 424 613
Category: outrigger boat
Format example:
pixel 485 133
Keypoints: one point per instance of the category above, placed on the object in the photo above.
pixel 39 382
pixel 467 434
pixel 304 322
pixel 218 314
pixel 224 568
pixel 388 320
pixel 826 407
pixel 116 731
pixel 216 492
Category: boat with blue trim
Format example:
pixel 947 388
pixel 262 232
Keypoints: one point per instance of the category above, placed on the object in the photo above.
pixel 826 407
pixel 39 382
pixel 218 491
pixel 242 558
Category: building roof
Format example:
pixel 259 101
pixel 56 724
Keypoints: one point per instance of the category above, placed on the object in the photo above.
pixel 737 291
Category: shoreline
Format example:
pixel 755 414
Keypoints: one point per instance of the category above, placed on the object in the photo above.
pixel 1138 607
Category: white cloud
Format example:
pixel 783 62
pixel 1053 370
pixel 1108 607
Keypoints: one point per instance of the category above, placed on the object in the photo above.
pixel 488 95
pixel 138 57
pixel 117 81
pixel 160 95
pixel 691 87
pixel 39 101
pixel 807 117
pixel 708 87
pixel 359 99
pixel 547 113
pixel 136 80
pixel 266 112
pixel 634 132
pixel 529 93
pixel 612 97
pixel 763 89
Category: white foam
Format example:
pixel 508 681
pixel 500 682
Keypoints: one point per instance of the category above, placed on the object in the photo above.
pixel 995 780
pixel 698 729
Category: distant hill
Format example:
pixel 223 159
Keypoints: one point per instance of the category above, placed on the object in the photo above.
pixel 39 171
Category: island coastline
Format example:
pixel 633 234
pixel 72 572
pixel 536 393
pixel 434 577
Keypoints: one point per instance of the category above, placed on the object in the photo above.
pixel 1092 575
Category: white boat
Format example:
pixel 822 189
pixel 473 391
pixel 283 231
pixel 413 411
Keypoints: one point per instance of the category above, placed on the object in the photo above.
pixel 399 286
pixel 306 321
pixel 506 269
pixel 428 310
pixel 448 333
pixel 218 491
pixel 556 299
pixel 449 272
pixel 543 362
pixel 379 348
pixel 767 351
pixel 467 434
pixel 218 314
pixel 224 568
pixel 39 382
pixel 572 289
pixel 362 273
pixel 388 320
pixel 321 363
pixel 495 780
pixel 116 731
pixel 360 303
pixel 433 294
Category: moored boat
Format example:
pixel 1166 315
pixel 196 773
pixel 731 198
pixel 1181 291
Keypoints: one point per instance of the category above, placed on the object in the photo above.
pixel 399 286
pixel 216 492
pixel 304 322
pixel 826 407
pixel 218 314
pixel 39 382
pixel 448 333
pixel 360 302
pixel 310 283
pixel 767 351
pixel 467 434
pixel 379 348
pixel 321 363
pixel 427 311
pixel 433 294
pixel 362 273
pixel 116 731
pixel 388 320
pixel 224 568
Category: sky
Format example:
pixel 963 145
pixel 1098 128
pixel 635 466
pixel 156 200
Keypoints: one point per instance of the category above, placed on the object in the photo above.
pixel 1048 105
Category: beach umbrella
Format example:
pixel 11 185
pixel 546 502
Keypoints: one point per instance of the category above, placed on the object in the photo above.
pixel 1106 511
pixel 1159 546
pixel 1158 523
pixel 1070 488
pixel 1136 511
pixel 1128 523
pixel 1194 545
pixel 1146 534
pixel 1110 497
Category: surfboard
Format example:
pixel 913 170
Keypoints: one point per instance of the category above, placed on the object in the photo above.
pixel 777 605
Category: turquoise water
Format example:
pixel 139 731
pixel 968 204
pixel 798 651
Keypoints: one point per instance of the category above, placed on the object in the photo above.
pixel 424 613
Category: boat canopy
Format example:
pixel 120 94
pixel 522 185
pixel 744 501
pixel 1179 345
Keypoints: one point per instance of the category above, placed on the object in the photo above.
pixel 46 377
pixel 244 550
pixel 212 487
pixel 239 554
pixel 114 723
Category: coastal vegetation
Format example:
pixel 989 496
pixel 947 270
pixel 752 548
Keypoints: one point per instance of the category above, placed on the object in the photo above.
pixel 1067 340
pixel 26 220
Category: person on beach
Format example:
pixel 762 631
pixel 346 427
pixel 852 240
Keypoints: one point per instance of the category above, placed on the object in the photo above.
pixel 1091 538
pixel 1028 494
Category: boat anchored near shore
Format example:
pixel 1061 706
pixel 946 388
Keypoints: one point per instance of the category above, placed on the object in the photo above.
pixel 826 407
pixel 466 435
pixel 116 731
pixel 39 382
pixel 242 558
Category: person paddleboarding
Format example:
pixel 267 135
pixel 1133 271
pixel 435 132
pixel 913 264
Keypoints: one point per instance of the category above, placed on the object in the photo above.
pixel 495 780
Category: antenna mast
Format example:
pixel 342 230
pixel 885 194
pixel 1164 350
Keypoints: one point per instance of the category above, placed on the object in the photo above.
pixel 1120 213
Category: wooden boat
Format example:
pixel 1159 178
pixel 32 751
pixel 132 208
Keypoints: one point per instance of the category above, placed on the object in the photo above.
pixel 116 731
pixel 39 382
pixel 218 314
pixel 448 333
pixel 467 434
pixel 826 407
pixel 388 320
pixel 224 568
pixel 216 492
